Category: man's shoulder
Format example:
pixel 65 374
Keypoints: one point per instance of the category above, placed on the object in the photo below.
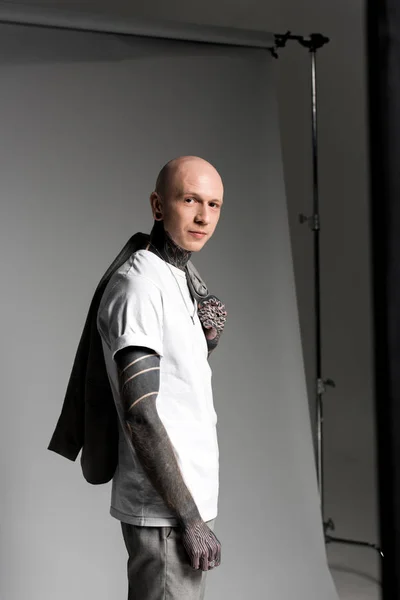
pixel 145 266
pixel 135 279
pixel 141 267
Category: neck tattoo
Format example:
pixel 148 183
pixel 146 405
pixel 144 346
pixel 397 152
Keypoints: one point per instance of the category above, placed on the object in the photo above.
pixel 163 245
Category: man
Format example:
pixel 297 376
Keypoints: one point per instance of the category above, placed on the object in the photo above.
pixel 156 342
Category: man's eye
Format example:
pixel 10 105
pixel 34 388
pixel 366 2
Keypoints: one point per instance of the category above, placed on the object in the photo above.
pixel 186 199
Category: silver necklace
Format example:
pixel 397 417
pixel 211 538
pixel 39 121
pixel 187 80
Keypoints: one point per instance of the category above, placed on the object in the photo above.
pixel 183 297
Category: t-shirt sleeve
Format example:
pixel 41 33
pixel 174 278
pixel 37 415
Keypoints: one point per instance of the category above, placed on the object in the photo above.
pixel 131 314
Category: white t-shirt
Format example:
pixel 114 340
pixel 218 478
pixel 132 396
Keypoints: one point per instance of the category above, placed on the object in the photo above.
pixel 142 305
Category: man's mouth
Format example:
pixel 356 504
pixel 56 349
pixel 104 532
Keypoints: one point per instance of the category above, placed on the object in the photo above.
pixel 198 234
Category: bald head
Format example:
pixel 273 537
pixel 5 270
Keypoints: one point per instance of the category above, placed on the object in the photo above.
pixel 188 199
pixel 169 180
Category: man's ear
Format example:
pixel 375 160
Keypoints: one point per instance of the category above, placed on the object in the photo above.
pixel 155 203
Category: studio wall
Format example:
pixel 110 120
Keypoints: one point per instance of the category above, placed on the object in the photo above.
pixel 88 120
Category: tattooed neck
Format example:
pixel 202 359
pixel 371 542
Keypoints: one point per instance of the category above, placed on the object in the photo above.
pixel 163 245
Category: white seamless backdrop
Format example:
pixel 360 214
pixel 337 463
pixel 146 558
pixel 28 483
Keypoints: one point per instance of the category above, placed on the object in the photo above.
pixel 87 120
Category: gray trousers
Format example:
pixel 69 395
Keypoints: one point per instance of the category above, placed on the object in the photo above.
pixel 158 565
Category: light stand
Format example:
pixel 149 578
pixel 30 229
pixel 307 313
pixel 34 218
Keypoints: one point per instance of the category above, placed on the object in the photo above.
pixel 313 43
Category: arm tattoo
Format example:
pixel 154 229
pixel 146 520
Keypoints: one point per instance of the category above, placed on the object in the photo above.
pixel 139 377
pixel 139 383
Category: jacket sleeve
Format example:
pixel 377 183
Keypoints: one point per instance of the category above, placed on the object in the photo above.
pixel 67 439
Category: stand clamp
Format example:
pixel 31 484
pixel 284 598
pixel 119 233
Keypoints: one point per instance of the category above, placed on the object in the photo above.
pixel 322 383
pixel 313 42
pixel 313 221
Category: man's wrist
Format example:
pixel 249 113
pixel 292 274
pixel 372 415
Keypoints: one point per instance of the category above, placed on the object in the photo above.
pixel 189 518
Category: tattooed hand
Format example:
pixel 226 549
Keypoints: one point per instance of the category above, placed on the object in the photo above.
pixel 212 315
pixel 202 546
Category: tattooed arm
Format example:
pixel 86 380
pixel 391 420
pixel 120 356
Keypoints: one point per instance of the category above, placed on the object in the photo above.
pixel 139 382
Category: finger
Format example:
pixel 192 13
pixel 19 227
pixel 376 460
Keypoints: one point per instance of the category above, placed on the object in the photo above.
pixel 204 562
pixel 212 550
pixel 196 561
pixel 211 333
pixel 212 560
pixel 217 551
pixel 193 555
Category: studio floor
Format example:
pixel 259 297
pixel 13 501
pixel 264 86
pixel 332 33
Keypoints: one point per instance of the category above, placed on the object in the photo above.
pixel 355 571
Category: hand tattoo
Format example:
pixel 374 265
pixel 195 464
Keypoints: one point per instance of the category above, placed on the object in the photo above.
pixel 212 314
pixel 202 546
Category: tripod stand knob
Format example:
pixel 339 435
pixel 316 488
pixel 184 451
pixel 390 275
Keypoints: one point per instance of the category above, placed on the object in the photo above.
pixel 329 525
pixel 322 383
pixel 313 221
pixel 329 382
pixel 304 218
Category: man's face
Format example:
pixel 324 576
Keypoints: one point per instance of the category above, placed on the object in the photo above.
pixel 193 204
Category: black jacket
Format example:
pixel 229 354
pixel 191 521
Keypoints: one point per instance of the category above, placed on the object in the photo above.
pixel 89 419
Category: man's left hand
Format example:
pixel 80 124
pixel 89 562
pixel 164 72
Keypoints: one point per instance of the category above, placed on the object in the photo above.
pixel 212 315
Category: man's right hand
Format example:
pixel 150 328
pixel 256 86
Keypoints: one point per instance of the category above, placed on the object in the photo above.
pixel 202 546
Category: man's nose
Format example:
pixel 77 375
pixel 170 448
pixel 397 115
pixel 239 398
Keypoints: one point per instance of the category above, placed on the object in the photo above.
pixel 203 215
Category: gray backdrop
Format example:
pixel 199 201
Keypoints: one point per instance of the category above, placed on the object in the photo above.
pixel 86 126
pixel 350 444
